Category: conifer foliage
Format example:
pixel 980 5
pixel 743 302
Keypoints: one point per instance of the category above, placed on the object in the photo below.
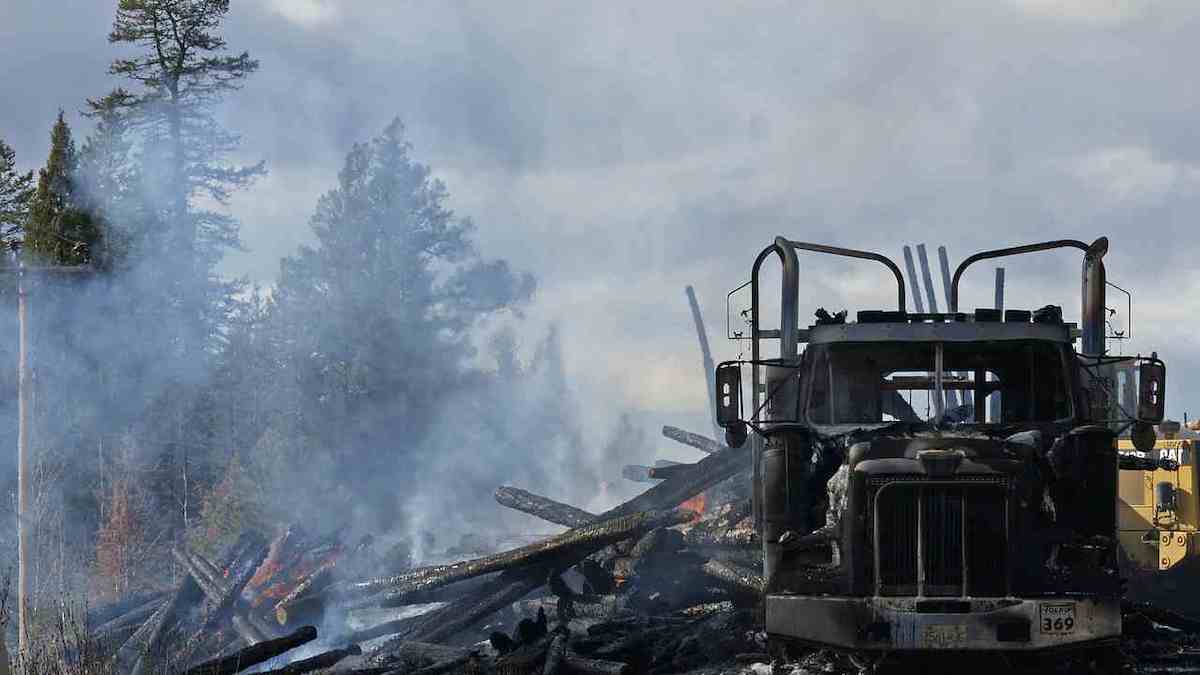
pixel 59 231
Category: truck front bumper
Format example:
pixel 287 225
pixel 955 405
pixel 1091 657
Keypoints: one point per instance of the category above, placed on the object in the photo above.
pixel 911 624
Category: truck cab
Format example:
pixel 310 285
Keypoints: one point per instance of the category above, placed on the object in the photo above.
pixel 935 482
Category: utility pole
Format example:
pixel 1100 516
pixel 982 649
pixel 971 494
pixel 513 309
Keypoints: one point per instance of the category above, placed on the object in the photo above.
pixel 22 465
pixel 23 430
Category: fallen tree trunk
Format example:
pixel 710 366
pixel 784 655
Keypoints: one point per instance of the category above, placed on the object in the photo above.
pixel 318 577
pixel 556 653
pixel 255 654
pixel 571 546
pixel 158 624
pixel 581 665
pixel 542 507
pixel 248 632
pixel 133 616
pixel 324 660
pixel 129 652
pixel 703 443
pixel 739 579
pixel 675 490
pixel 223 605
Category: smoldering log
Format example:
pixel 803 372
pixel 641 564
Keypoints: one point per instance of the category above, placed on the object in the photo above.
pixel 249 633
pixel 201 576
pixel 137 615
pixel 231 593
pixel 158 624
pixel 581 665
pixel 109 616
pixel 675 490
pixel 665 472
pixel 316 579
pixel 542 507
pixel 128 653
pixel 740 579
pixel 323 660
pixel 255 654
pixel 570 546
pixel 447 666
pixel 416 651
pixel 707 609
pixel 459 616
pixel 697 441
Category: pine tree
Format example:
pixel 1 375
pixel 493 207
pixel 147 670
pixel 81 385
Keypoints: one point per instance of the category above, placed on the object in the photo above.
pixel 181 73
pixel 58 230
pixel 16 190
pixel 108 180
pixel 377 315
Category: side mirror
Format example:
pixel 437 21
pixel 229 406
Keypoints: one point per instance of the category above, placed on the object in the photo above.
pixel 729 394
pixel 1152 387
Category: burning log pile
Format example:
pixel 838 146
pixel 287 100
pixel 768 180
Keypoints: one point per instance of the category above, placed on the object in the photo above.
pixel 667 582
pixel 630 588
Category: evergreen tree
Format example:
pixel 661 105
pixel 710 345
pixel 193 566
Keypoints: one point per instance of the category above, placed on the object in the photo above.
pixel 375 319
pixel 108 180
pixel 58 230
pixel 16 190
pixel 181 72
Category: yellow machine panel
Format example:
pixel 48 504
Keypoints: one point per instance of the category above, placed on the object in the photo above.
pixel 1157 512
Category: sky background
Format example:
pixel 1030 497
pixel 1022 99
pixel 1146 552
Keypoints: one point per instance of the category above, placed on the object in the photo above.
pixel 621 151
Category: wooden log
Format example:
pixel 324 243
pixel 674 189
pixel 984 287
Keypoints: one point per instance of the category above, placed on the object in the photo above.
pixel 736 577
pixel 707 609
pixel 323 660
pixel 459 616
pixel 232 592
pixel 447 666
pixel 665 472
pixel 314 580
pixel 158 625
pixel 128 653
pixel 570 546
pixel 109 615
pixel 255 654
pixel 542 507
pixel 674 491
pixel 249 633
pixel 556 653
pixel 137 615
pixel 702 443
pixel 574 664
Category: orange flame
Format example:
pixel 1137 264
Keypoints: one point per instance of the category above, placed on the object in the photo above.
pixel 695 504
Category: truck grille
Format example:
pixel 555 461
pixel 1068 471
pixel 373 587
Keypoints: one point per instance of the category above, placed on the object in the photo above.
pixel 941 540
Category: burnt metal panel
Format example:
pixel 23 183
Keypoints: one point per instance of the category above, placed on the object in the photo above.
pixel 964 331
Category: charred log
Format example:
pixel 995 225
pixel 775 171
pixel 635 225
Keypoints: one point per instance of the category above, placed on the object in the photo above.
pixel 255 654
pixel 698 441
pixel 678 489
pixel 542 507
pixel 568 547
pixel 318 578
pixel 739 579
pixel 324 660
pixel 556 654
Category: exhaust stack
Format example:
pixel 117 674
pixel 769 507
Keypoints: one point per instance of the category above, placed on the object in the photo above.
pixel 1092 315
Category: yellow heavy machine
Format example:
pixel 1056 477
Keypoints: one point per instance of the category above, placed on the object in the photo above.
pixel 1158 519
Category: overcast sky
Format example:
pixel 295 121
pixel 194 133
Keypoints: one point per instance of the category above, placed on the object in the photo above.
pixel 623 150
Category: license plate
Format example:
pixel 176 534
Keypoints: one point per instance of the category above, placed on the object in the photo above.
pixel 1057 618
pixel 943 636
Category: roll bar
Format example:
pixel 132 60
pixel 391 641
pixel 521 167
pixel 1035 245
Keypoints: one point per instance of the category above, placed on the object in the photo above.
pixel 1092 300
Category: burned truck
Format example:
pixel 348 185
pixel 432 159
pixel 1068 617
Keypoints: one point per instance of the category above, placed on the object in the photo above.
pixel 935 481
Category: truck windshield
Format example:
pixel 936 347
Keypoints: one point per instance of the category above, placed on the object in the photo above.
pixel 981 382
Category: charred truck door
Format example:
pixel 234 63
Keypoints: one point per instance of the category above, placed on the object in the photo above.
pixel 935 481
